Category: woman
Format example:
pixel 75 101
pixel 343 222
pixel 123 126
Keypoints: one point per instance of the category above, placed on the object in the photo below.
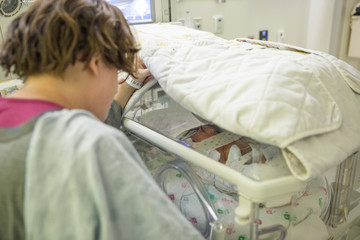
pixel 63 173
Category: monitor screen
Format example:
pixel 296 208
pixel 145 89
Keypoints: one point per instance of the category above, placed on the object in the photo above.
pixel 135 11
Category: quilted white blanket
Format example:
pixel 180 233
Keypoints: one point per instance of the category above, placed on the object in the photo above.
pixel 303 101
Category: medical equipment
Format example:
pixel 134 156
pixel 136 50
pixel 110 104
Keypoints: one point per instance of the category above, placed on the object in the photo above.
pixel 9 9
pixel 276 200
pixel 283 101
pixel 136 11
pixel 9 86
pixel 144 11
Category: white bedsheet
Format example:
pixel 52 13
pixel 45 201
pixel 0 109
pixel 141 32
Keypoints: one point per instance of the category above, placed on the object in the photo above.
pixel 303 101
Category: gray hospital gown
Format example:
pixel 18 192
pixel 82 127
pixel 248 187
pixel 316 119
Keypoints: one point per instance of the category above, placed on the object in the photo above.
pixel 85 180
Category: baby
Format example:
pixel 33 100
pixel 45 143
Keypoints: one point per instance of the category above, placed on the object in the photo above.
pixel 207 131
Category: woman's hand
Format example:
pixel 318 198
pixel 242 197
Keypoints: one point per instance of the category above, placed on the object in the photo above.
pixel 125 90
pixel 143 74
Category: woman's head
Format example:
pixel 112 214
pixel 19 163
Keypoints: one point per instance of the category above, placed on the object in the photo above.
pixel 52 35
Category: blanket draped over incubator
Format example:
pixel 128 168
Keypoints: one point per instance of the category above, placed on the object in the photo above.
pixel 251 194
pixel 244 145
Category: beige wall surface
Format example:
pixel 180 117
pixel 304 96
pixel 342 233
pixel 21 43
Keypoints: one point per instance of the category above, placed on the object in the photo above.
pixel 234 12
pixel 322 25
pixel 244 18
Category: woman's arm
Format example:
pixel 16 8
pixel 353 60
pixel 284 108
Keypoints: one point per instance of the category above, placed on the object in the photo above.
pixel 125 90
pixel 114 116
pixel 123 95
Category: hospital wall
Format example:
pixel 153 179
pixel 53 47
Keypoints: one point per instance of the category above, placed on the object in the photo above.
pixel 245 18
pixel 343 42
pixel 322 25
pixel 315 24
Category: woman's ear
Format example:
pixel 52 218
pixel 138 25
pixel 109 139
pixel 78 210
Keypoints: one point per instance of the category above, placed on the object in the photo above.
pixel 94 65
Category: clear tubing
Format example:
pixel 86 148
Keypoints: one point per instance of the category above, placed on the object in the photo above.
pixel 196 184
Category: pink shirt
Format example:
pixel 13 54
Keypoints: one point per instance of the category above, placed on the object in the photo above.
pixel 16 111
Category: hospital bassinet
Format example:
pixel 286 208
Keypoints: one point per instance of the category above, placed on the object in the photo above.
pixel 254 198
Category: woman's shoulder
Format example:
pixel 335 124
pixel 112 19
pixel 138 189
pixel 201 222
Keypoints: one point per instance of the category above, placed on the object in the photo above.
pixel 74 125
pixel 80 133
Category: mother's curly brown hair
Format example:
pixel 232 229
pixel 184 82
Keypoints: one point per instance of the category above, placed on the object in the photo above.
pixel 51 35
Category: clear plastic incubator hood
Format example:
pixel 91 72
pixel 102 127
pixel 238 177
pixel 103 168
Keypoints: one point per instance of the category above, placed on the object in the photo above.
pixel 250 139
pixel 230 186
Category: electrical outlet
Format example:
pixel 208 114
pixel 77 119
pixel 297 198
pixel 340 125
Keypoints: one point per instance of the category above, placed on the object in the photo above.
pixel 218 23
pixel 182 21
pixel 280 35
pixel 197 23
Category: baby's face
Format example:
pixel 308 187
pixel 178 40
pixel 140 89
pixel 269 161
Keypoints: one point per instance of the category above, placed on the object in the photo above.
pixel 204 132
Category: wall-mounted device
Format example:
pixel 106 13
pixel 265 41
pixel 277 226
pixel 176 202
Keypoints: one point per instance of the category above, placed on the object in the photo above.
pixel 7 87
pixel 144 11
pixel 10 9
pixel 218 24
pixel 136 11
pixel 263 35
pixel 280 35
pixel 354 47
pixel 197 23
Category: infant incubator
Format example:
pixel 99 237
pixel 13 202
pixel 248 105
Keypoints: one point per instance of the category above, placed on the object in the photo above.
pixel 233 187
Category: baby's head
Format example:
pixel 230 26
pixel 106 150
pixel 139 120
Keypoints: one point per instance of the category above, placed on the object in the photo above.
pixel 207 131
pixel 203 133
